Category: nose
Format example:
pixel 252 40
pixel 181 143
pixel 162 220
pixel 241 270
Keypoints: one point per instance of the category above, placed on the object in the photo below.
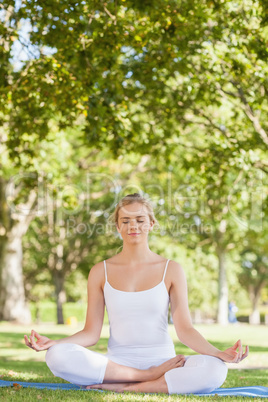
pixel 133 225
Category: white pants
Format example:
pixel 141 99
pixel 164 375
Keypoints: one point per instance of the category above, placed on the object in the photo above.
pixel 81 366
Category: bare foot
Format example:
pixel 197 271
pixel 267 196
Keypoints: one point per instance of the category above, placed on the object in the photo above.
pixel 155 386
pixel 116 387
pixel 155 372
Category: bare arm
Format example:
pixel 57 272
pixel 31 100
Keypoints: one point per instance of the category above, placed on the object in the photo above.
pixel 90 334
pixel 187 334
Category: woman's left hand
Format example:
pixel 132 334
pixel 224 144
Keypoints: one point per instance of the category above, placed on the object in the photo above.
pixel 231 355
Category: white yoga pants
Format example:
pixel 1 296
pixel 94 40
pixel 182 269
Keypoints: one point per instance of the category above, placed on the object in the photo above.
pixel 81 366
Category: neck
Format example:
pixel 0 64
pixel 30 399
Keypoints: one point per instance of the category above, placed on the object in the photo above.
pixel 136 253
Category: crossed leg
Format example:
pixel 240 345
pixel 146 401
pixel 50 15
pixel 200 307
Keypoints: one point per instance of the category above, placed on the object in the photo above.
pixel 81 366
pixel 154 386
pixel 200 374
pixel 117 373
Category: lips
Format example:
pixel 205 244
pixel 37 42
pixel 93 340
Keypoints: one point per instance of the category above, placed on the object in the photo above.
pixel 133 234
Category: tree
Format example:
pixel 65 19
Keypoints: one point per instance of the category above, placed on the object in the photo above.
pixel 76 197
pixel 145 77
pixel 14 221
pixel 254 274
pixel 134 70
pixel 213 199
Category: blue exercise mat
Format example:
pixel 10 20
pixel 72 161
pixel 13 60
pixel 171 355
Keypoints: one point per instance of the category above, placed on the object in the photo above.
pixel 258 391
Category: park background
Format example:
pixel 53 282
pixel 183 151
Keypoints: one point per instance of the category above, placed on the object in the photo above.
pixel 102 99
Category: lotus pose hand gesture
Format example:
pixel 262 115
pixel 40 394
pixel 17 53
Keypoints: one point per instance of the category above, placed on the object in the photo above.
pixel 42 342
pixel 231 355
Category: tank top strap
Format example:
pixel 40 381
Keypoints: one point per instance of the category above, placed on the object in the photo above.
pixel 105 270
pixel 165 270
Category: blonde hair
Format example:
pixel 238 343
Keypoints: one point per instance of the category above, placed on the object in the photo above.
pixel 131 199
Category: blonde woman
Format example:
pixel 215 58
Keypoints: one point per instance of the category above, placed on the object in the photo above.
pixel 137 286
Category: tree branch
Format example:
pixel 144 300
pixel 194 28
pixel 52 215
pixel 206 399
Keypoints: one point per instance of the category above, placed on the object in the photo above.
pixel 250 114
pixel 110 15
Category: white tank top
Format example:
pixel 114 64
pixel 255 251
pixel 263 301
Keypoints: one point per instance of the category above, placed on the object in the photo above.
pixel 139 322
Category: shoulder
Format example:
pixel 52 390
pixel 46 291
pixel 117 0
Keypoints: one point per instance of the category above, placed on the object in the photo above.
pixel 175 271
pixel 96 273
pixel 174 266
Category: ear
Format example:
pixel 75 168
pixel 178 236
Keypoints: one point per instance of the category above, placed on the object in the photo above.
pixel 151 226
pixel 118 231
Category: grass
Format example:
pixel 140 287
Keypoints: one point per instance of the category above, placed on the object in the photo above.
pixel 18 363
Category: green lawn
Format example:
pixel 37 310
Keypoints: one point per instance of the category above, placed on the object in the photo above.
pixel 18 363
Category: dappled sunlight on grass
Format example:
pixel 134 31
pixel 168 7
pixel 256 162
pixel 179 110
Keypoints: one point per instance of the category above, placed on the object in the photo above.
pixel 19 363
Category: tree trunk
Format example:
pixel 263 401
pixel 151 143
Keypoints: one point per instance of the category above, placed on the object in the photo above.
pixel 12 296
pixel 222 315
pixel 255 318
pixel 13 225
pixel 59 277
pixel 254 294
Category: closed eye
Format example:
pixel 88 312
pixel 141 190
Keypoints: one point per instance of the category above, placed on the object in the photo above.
pixel 128 221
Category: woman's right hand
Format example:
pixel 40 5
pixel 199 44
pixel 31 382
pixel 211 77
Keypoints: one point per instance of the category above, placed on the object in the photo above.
pixel 41 342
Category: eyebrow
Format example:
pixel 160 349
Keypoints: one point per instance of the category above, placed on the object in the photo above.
pixel 139 216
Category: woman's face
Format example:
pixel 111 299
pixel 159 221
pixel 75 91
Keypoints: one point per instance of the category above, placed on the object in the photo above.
pixel 134 222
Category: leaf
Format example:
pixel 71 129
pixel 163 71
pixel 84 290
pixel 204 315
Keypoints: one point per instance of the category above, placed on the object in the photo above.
pixel 138 38
pixel 17 386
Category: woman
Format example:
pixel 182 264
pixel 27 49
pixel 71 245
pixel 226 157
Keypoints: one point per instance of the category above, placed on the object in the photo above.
pixel 137 286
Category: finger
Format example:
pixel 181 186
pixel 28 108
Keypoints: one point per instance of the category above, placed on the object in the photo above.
pixel 27 342
pixel 181 362
pixel 26 339
pixel 240 350
pixel 36 334
pixel 33 333
pixel 234 359
pixel 236 345
pixel 245 354
pixel 179 356
pixel 32 338
pixel 34 344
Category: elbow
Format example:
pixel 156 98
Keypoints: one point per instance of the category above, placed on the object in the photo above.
pixel 91 337
pixel 184 334
pixel 94 340
pixel 92 343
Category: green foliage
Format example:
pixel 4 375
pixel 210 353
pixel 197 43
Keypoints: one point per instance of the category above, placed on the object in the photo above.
pixel 183 85
pixel 139 74
pixel 254 263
